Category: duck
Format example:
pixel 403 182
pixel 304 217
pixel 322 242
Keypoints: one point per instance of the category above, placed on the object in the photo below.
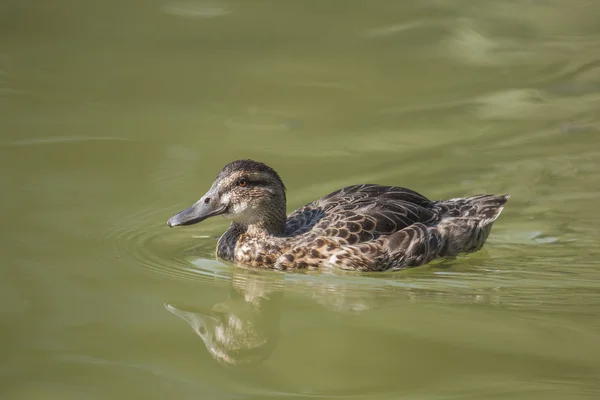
pixel 363 227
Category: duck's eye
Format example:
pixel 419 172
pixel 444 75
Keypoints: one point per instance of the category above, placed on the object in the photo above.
pixel 242 182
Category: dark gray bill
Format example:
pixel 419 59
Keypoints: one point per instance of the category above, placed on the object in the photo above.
pixel 198 212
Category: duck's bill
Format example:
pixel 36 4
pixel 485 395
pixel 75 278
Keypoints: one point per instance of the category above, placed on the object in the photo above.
pixel 196 213
pixel 193 317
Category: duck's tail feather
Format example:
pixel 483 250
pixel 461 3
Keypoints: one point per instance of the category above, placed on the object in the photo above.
pixel 414 245
pixel 467 223
pixel 486 207
pixel 489 207
pixel 464 227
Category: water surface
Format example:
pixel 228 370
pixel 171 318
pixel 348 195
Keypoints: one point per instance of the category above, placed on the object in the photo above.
pixel 114 115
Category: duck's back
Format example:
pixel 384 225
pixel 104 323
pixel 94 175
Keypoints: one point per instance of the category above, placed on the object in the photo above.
pixel 360 213
pixel 372 227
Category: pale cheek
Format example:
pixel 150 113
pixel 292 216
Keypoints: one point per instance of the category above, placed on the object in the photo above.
pixel 225 199
pixel 239 213
pixel 237 209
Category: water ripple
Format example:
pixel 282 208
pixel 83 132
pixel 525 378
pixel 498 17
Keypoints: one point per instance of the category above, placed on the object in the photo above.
pixel 58 140
pixel 159 249
pixel 196 9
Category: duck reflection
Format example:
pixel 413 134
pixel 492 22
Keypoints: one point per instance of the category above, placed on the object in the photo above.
pixel 244 329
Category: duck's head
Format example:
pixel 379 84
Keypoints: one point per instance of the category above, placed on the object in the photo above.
pixel 246 192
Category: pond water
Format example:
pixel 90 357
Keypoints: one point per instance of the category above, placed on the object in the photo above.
pixel 114 115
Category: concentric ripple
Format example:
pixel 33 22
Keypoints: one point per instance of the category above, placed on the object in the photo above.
pixel 166 251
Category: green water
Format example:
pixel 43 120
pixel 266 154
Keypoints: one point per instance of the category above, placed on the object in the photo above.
pixel 114 115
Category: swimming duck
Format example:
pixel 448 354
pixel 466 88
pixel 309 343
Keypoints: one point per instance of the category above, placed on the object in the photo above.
pixel 365 227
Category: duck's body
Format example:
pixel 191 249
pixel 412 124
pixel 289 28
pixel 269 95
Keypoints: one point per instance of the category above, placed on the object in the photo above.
pixel 361 227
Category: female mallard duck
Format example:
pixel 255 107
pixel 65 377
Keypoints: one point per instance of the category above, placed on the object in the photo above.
pixel 361 227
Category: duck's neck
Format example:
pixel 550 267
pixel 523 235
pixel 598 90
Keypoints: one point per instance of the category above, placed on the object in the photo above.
pixel 267 222
pixel 273 228
pixel 260 229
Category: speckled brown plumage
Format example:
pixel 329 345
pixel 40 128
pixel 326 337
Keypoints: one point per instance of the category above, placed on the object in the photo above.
pixel 362 227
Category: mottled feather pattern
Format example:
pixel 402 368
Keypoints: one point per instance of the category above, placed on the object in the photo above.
pixel 372 228
pixel 365 227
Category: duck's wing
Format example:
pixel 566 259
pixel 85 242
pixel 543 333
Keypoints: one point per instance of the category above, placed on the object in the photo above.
pixel 360 213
